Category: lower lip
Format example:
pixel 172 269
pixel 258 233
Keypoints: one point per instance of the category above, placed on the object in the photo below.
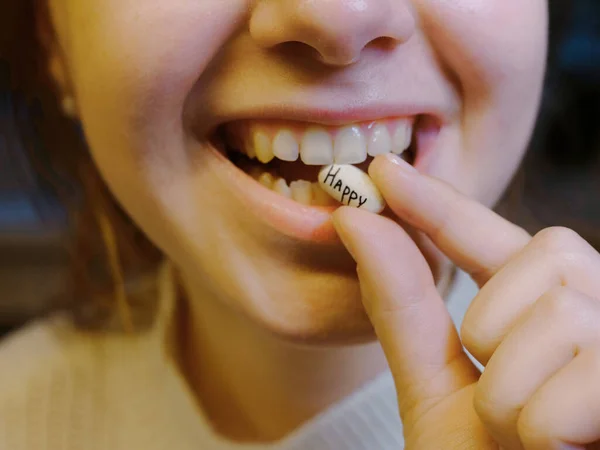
pixel 286 216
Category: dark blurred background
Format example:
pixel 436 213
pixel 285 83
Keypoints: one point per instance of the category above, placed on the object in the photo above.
pixel 560 180
pixel 559 183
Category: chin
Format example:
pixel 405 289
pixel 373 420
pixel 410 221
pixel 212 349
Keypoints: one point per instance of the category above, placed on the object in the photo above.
pixel 305 296
pixel 311 313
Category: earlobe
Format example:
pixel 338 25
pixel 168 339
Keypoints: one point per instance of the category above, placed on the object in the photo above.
pixel 56 64
pixel 64 91
pixel 63 87
pixel 68 106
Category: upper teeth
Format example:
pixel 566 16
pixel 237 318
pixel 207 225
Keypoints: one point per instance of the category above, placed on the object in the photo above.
pixel 319 145
pixel 350 146
pixel 285 146
pixel 316 147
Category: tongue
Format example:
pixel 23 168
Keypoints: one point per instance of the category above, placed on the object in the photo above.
pixel 296 170
pixel 292 171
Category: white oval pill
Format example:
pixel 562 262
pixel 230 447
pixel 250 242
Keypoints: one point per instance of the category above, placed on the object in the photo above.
pixel 351 186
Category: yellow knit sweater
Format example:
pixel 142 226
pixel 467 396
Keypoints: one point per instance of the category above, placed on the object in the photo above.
pixel 63 389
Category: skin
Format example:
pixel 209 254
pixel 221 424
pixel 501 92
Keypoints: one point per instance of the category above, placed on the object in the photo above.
pixel 150 80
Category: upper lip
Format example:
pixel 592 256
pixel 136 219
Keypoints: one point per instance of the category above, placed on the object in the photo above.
pixel 331 117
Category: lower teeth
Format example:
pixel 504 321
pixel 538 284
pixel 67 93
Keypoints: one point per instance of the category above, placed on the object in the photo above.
pixel 302 191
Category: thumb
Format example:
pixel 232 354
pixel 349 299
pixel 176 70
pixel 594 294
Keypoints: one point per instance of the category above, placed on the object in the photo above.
pixel 410 318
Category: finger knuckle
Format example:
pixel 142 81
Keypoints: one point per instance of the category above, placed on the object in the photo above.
pixel 441 226
pixel 563 249
pixel 468 330
pixel 531 429
pixel 474 337
pixel 570 314
pixel 558 302
pixel 557 239
pixel 489 405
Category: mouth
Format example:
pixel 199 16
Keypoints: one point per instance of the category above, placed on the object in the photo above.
pixel 276 164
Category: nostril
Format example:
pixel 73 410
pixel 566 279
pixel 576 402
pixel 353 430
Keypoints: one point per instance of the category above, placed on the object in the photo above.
pixel 298 50
pixel 326 54
pixel 385 43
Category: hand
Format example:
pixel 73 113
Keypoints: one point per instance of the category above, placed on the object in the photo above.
pixel 535 323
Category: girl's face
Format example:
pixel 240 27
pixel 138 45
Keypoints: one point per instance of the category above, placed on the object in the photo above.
pixel 160 85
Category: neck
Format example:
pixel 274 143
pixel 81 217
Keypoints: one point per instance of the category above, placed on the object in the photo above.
pixel 256 387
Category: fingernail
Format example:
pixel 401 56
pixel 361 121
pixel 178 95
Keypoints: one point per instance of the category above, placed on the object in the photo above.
pixel 398 161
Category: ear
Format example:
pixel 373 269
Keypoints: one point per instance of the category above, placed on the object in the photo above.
pixel 55 61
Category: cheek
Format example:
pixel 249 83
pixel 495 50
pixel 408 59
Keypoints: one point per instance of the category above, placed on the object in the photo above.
pixel 495 51
pixel 133 67
pixel 489 43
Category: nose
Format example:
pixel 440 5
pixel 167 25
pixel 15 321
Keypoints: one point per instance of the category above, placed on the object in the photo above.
pixel 339 30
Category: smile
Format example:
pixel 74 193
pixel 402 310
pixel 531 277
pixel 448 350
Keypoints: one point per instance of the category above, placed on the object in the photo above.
pixel 272 166
pixel 285 157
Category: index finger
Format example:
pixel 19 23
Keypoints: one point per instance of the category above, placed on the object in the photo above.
pixel 475 238
pixel 407 312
